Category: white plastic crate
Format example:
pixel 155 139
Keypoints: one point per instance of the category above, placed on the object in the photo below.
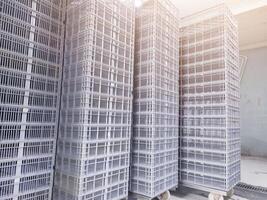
pixel 209 100
pixel 96 115
pixel 154 164
pixel 30 69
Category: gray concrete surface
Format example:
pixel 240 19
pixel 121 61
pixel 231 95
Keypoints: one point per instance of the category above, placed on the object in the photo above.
pixel 254 171
pixel 191 194
pixel 254 103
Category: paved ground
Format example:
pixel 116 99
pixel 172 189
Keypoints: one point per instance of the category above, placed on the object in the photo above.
pixel 188 194
pixel 191 194
pixel 254 171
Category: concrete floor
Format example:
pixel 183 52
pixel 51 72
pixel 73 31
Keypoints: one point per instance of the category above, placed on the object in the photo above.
pixel 254 171
pixel 191 194
pixel 188 194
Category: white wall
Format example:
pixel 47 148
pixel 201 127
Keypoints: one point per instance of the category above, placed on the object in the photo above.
pixel 254 103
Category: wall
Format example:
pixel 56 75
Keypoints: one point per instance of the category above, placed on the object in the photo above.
pixel 254 103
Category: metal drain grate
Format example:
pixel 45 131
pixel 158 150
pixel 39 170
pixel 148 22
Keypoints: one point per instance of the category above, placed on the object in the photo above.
pixel 253 188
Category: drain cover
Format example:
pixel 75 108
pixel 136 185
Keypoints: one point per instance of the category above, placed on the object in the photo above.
pixel 245 186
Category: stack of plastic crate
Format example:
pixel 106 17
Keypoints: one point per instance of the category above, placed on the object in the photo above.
pixel 154 166
pixel 30 69
pixel 96 115
pixel 209 100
